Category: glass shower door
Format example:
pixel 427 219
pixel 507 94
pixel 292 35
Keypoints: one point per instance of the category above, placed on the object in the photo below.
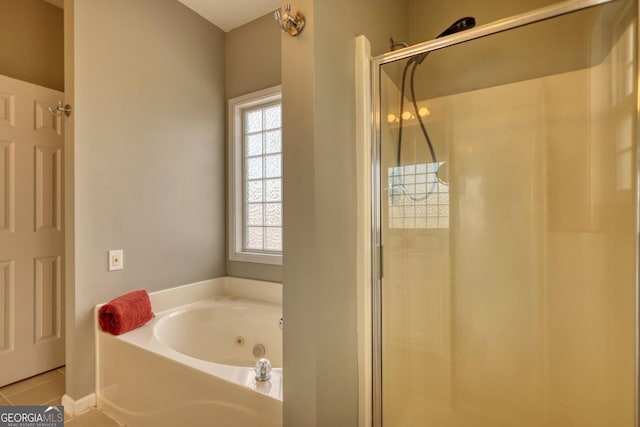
pixel 508 223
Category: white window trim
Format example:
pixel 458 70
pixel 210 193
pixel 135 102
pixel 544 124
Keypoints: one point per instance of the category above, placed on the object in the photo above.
pixel 235 178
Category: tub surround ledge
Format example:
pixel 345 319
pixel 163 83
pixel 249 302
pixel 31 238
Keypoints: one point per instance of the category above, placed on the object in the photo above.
pixel 143 381
pixel 220 286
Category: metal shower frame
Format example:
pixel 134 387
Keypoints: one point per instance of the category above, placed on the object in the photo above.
pixel 506 24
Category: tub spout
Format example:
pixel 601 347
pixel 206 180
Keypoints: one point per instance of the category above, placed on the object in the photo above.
pixel 263 370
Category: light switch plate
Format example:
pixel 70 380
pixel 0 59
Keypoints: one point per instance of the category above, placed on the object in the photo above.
pixel 116 259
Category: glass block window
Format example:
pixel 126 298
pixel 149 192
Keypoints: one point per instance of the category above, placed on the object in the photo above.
pixel 417 197
pixel 255 177
pixel 262 166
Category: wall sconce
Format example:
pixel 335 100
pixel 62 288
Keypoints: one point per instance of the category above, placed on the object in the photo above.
pixel 290 23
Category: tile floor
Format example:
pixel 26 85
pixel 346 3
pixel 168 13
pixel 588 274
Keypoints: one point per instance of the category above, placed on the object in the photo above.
pixel 48 389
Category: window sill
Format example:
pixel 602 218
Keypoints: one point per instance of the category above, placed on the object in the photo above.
pixel 256 258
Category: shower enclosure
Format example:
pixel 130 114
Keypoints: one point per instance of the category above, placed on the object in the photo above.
pixel 506 255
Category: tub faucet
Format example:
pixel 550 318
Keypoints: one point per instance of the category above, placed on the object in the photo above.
pixel 263 370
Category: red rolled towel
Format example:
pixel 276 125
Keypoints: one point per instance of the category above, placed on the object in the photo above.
pixel 125 313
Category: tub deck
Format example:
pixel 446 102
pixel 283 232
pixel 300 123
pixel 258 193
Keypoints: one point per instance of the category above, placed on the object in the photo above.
pixel 143 382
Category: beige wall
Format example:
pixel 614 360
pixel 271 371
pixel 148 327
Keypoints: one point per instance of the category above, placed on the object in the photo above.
pixel 252 63
pixel 428 18
pixel 380 20
pixel 32 42
pixel 299 270
pixel 320 271
pixel 146 163
pixel 252 57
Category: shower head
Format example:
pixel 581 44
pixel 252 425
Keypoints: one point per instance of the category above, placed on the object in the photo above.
pixel 461 24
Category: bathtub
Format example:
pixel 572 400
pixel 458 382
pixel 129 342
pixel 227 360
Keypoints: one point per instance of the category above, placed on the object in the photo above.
pixel 193 363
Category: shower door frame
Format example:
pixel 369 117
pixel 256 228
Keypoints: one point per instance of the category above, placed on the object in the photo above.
pixel 502 25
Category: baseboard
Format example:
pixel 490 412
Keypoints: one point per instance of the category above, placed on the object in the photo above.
pixel 73 407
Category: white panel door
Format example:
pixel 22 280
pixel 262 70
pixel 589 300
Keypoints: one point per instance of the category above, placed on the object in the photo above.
pixel 31 231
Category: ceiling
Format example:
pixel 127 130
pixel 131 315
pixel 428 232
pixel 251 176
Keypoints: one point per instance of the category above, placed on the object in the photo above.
pixel 225 14
pixel 229 14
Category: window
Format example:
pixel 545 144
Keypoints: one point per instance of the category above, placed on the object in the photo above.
pixel 255 180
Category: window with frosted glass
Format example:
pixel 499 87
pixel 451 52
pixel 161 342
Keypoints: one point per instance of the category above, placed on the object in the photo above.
pixel 262 179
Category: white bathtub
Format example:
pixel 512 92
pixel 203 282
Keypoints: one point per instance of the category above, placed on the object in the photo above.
pixel 193 363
